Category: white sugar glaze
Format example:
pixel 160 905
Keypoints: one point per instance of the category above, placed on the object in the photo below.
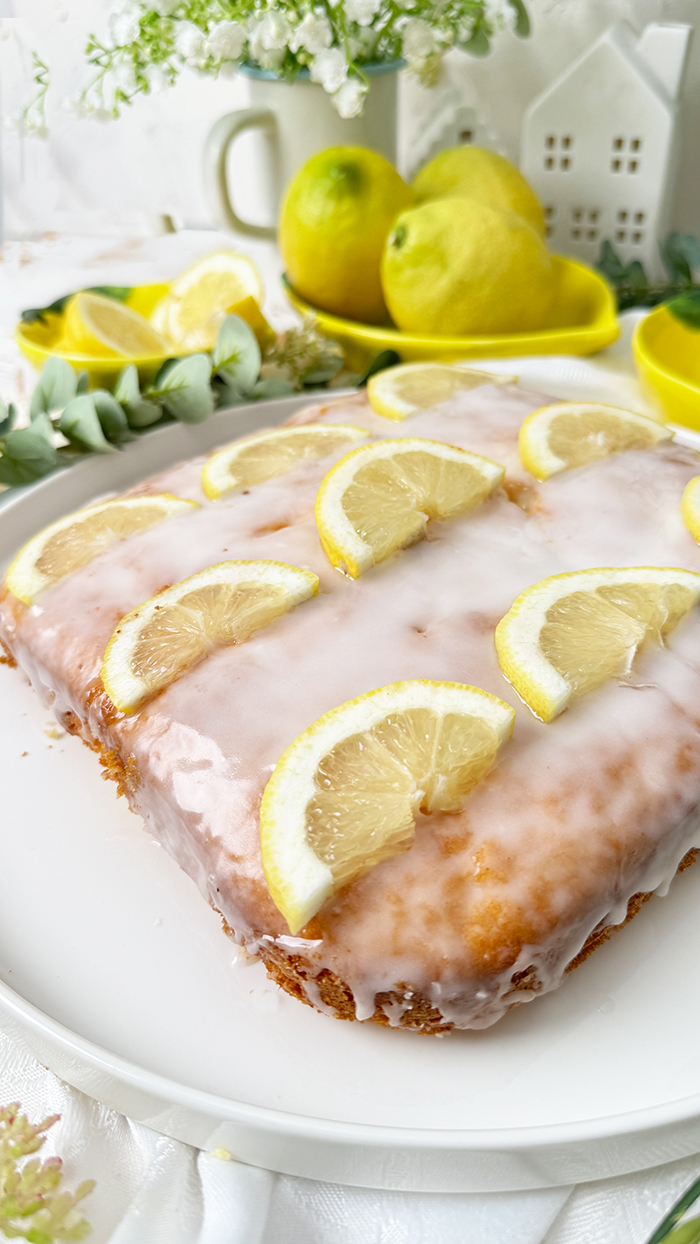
pixel 577 816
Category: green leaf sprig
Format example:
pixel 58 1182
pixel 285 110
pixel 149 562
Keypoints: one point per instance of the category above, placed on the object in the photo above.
pixel 32 1206
pixel 681 258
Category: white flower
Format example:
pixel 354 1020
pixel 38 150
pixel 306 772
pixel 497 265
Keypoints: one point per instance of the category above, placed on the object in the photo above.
pixel 329 68
pixel 165 7
pixel 361 11
pixel 313 34
pixel 499 13
pixel 419 42
pixel 157 79
pixel 349 100
pixel 190 43
pixel 124 24
pixel 124 76
pixel 226 40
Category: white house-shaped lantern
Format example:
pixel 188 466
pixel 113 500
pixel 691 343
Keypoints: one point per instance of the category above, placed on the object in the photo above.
pixel 600 145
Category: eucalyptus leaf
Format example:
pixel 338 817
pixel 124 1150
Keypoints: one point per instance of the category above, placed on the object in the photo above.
pixel 274 386
pixel 112 418
pixel 55 388
pixel 8 414
pixel 686 308
pixel 236 354
pixel 82 383
pixel 385 358
pixel 80 424
pixel 522 20
pixel 227 395
pixel 185 389
pixel 139 412
pixel 28 453
pixel 681 253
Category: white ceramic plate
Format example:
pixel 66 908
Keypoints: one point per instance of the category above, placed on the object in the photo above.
pixel 119 977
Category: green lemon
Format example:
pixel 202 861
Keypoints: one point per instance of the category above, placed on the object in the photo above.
pixel 335 219
pixel 456 267
pixel 475 173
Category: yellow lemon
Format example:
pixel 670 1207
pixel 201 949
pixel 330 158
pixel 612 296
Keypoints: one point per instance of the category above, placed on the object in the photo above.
pixel 456 267
pixel 106 328
pixel 335 219
pixel 474 173
pixel 191 313
pixel 570 434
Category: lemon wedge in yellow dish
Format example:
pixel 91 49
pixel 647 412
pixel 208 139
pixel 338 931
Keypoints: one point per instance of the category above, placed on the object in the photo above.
pixel 106 328
pixel 191 312
pixel 569 634
pixel 570 434
pixel 409 388
pixel 690 507
pixel 270 454
pixel 346 794
pixel 378 498
pixel 222 605
pixel 74 541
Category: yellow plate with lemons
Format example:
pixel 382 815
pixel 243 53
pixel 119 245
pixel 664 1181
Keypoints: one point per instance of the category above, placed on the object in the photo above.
pixel 582 321
pixel 667 355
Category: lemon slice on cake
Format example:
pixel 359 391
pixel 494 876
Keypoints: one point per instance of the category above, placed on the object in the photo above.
pixel 378 498
pixel 570 434
pixel 409 388
pixel 270 454
pixel 690 507
pixel 222 605
pixel 191 312
pixel 74 541
pixel 568 634
pixel 346 794
pixel 107 328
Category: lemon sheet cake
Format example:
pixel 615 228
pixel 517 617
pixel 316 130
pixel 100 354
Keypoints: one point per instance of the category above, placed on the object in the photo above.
pixel 490 897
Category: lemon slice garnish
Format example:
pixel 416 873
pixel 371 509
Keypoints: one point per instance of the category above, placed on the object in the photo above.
pixel 690 507
pixel 191 312
pixel 166 635
pixel 568 634
pixel 72 542
pixel 347 793
pixel 409 388
pixel 107 328
pixel 569 434
pixel 378 498
pixel 273 453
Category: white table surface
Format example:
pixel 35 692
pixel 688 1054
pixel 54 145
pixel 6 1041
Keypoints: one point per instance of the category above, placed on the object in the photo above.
pixel 151 1189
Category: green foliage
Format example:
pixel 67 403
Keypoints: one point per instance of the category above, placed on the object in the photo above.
pixel 32 1207
pixel 681 257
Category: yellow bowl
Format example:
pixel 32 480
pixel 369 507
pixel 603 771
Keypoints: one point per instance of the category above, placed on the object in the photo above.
pixel 40 341
pixel 667 355
pixel 582 321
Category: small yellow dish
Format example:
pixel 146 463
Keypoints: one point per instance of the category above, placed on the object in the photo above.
pixel 583 320
pixel 667 355
pixel 40 341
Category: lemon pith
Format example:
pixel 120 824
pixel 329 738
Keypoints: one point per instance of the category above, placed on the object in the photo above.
pixel 569 434
pixel 570 633
pixel 271 454
pixel 404 390
pixel 378 498
pixel 345 795
pixel 72 542
pixel 165 636
pixel 690 507
pixel 107 328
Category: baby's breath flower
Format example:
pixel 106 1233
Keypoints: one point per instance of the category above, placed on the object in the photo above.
pixel 329 69
pixel 419 42
pixel 362 11
pixel 226 40
pixel 124 76
pixel 348 101
pixel 190 42
pixel 313 34
pixel 165 7
pixel 499 13
pixel 125 24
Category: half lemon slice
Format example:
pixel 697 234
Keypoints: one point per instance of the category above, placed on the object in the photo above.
pixel 166 635
pixel 568 634
pixel 107 328
pixel 347 793
pixel 690 507
pixel 409 388
pixel 271 454
pixel 74 541
pixel 378 498
pixel 191 312
pixel 570 434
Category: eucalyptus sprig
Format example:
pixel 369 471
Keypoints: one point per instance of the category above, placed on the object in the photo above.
pixel 32 1207
pixel 681 258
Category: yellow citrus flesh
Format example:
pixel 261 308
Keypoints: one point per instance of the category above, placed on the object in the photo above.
pixel 194 307
pixel 570 434
pixel 378 499
pixel 690 507
pixel 347 793
pixel 271 454
pixel 168 634
pixel 73 542
pixel 106 328
pixel 570 633
pixel 409 388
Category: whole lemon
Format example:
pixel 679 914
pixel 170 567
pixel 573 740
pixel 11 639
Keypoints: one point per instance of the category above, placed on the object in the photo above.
pixel 454 267
pixel 475 173
pixel 335 219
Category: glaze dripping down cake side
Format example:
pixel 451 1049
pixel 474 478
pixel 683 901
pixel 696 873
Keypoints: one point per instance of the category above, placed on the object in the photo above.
pixel 576 823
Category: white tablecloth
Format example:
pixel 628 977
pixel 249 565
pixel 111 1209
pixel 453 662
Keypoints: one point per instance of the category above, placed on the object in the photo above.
pixel 152 1190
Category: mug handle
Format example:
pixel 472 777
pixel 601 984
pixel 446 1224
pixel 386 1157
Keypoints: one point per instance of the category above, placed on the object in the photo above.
pixel 219 139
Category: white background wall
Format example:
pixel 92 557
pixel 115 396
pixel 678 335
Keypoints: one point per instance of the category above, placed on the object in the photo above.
pixel 119 176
